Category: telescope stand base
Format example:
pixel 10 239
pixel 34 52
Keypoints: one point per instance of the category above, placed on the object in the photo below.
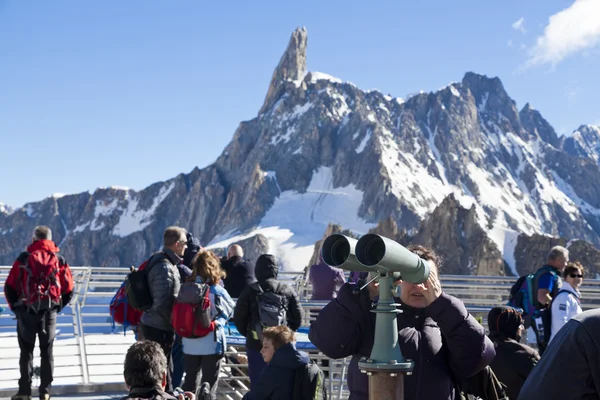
pixel 386 386
pixel 386 380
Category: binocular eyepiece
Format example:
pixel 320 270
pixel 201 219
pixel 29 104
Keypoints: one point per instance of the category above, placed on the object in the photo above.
pixel 374 253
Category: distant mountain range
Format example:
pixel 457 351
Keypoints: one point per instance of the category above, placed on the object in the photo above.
pixel 461 169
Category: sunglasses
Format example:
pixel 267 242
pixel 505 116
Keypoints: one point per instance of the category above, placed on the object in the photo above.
pixel 182 241
pixel 576 276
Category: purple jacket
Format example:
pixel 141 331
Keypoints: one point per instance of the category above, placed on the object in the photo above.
pixel 325 281
pixel 444 340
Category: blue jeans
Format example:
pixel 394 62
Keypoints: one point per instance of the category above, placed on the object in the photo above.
pixel 177 355
pixel 256 364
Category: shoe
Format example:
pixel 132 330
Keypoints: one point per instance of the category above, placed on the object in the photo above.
pixel 20 397
pixel 203 392
pixel 45 397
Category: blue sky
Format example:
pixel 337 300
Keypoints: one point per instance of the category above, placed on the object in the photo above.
pixel 127 93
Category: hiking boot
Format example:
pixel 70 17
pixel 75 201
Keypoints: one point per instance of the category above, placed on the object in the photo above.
pixel 20 397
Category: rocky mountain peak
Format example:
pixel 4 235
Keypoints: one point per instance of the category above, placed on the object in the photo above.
pixel 6 209
pixel 460 169
pixel 493 102
pixel 486 90
pixel 532 121
pixel 291 67
pixel 584 142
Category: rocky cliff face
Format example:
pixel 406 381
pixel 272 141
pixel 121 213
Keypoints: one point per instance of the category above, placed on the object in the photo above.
pixel 323 151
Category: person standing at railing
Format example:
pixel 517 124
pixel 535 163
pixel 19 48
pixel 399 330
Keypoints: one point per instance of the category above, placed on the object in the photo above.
pixel 567 303
pixel 325 280
pixel 434 329
pixel 38 287
pixel 164 283
pixel 547 283
pixel 203 355
pixel 240 272
pixel 265 303
pixel 193 247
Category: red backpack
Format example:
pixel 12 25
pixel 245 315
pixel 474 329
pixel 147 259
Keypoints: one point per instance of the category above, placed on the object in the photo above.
pixel 121 311
pixel 41 287
pixel 191 311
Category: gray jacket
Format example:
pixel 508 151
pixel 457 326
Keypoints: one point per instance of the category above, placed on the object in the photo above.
pixel 570 366
pixel 164 283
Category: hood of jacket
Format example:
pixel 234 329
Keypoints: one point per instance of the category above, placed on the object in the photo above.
pixel 193 247
pixel 288 356
pixel 43 245
pixel 266 268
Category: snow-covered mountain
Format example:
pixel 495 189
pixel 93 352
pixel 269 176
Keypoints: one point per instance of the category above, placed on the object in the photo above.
pixel 6 209
pixel 322 150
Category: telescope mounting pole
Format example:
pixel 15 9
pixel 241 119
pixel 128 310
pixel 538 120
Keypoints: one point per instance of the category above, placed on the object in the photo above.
pixel 386 366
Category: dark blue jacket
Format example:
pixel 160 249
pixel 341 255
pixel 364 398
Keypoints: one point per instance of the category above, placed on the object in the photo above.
pixel 276 382
pixel 445 342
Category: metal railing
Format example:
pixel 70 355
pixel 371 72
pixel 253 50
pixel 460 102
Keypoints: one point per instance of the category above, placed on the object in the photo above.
pixel 88 355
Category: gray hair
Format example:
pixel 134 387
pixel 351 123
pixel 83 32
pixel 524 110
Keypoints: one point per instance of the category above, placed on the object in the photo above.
pixel 558 251
pixel 172 235
pixel 42 232
pixel 145 365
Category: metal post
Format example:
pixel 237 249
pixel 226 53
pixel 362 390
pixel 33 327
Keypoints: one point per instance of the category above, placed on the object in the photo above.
pixel 385 385
pixel 386 366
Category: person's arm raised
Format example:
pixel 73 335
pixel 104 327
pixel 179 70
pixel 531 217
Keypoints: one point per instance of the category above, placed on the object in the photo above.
pixel 469 348
pixel 339 327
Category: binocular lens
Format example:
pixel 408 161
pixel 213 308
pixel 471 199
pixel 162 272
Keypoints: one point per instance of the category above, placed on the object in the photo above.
pixel 336 250
pixel 372 252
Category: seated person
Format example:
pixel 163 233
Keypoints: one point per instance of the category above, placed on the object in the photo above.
pixel 514 361
pixel 434 329
pixel 276 381
pixel 145 373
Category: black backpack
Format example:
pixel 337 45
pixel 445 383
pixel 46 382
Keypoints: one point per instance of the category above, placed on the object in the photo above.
pixel 136 283
pixel 271 310
pixel 309 383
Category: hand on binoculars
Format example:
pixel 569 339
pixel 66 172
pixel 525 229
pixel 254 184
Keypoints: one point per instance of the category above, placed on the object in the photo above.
pixel 373 288
pixel 433 288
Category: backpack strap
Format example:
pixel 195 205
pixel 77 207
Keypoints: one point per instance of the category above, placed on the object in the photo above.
pixel 155 259
pixel 568 292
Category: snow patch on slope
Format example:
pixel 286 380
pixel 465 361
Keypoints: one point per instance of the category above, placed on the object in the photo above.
pixel 297 220
pixel 364 142
pixel 133 219
pixel 318 76
pixel 506 240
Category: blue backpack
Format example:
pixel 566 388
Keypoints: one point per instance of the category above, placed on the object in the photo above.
pixel 523 293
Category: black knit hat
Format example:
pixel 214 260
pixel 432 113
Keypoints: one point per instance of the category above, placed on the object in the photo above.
pixel 505 320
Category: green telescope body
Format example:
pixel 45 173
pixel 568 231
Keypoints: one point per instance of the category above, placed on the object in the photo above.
pixel 374 253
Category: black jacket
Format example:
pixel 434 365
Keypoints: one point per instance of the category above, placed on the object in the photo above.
pixel 246 308
pixel 240 274
pixel 276 382
pixel 570 367
pixel 513 363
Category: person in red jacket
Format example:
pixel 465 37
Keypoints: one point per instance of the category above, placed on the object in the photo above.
pixel 38 286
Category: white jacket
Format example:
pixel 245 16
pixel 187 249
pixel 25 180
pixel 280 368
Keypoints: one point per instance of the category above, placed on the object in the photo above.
pixel 564 307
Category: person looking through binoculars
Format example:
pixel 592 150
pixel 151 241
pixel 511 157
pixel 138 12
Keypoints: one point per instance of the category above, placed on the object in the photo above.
pixel 435 331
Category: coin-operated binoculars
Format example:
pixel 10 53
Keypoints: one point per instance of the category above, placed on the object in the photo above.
pixel 373 253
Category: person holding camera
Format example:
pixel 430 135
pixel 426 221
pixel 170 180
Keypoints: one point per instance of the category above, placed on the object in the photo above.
pixel 435 330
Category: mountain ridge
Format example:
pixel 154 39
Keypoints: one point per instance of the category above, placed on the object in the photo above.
pixel 343 155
